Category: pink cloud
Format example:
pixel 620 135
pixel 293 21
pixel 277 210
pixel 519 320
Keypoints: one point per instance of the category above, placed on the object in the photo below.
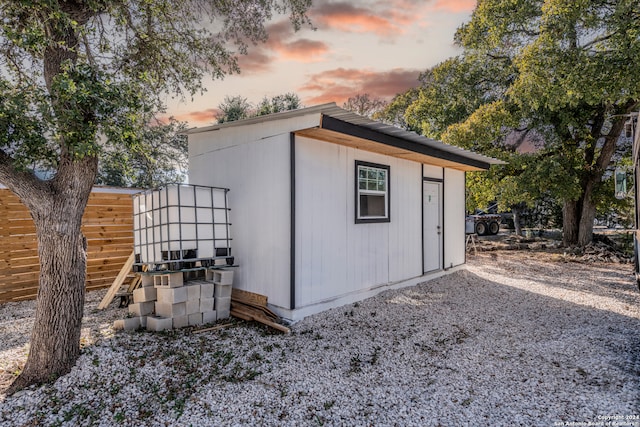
pixel 303 50
pixel 202 117
pixel 348 17
pixel 256 61
pixel 339 84
pixel 455 6
pixel 281 44
pixel 383 18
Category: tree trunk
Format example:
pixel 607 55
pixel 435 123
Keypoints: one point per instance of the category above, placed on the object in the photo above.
pixel 57 214
pixel 578 216
pixel 587 215
pixel 570 222
pixel 516 221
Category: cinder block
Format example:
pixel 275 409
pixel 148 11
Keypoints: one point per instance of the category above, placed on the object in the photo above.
pixel 223 277
pixel 193 306
pixel 127 324
pixel 222 313
pixel 220 261
pixel 206 290
pixel 145 294
pixel 222 291
pixel 180 321
pixel 193 291
pixel 146 280
pixel 209 317
pixel 206 304
pixel 172 295
pixel 171 310
pixel 222 303
pixel 195 319
pixel 143 321
pixel 141 308
pixel 169 280
pixel 155 323
pixel 208 275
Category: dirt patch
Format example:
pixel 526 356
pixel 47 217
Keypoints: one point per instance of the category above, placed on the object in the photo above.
pixel 608 248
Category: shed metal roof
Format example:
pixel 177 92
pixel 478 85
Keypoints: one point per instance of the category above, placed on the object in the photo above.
pixel 337 121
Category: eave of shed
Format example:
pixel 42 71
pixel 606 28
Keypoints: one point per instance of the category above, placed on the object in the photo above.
pixel 343 127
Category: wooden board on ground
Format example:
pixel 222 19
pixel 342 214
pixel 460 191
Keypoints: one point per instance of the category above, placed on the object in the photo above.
pixel 213 328
pixel 251 306
pixel 246 313
pixel 250 297
pixel 111 293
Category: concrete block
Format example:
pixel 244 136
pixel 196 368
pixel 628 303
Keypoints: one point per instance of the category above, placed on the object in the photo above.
pixel 193 306
pixel 128 324
pixel 145 294
pixel 206 304
pixel 223 313
pixel 171 310
pixel 141 308
pixel 143 321
pixel 222 291
pixel 195 319
pixel 157 324
pixel 169 280
pixel 146 280
pixel 209 317
pixel 223 277
pixel 193 291
pixel 206 290
pixel 180 321
pixel 222 303
pixel 172 295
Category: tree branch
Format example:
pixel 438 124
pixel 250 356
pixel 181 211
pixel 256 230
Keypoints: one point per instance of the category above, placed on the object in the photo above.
pixel 24 184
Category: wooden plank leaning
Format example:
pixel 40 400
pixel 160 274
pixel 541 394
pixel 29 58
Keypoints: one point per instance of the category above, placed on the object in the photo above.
pixel 111 293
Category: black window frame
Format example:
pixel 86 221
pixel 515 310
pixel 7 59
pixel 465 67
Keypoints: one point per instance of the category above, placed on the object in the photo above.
pixel 387 168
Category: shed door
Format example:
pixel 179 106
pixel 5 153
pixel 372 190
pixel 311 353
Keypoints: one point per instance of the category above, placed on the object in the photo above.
pixel 432 225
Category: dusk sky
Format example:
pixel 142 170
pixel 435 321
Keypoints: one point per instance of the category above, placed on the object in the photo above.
pixel 361 46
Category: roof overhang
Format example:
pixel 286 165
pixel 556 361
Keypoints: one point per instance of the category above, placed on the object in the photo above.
pixel 363 138
pixel 339 126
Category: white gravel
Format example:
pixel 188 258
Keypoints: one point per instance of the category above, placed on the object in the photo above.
pixel 512 341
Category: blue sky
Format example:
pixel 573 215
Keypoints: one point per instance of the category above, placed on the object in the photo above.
pixel 357 47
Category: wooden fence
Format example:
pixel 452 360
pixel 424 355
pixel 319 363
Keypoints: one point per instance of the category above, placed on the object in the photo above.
pixel 107 224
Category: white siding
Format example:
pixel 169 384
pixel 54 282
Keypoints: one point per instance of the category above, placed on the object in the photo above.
pixel 433 172
pixel 257 174
pixel 454 208
pixel 334 255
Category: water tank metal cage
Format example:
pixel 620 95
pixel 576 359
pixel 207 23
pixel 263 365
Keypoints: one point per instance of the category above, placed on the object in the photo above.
pixel 181 226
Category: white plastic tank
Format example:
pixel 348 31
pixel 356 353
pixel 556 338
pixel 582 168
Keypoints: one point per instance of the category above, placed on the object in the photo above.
pixel 181 222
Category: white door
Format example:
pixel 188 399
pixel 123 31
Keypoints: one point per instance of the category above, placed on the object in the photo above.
pixel 432 225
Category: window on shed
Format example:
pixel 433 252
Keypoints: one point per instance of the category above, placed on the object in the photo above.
pixel 372 192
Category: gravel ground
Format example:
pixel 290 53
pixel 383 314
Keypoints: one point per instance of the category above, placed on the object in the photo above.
pixel 517 339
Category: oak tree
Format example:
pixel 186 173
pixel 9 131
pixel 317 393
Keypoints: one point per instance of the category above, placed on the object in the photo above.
pixel 77 77
pixel 562 70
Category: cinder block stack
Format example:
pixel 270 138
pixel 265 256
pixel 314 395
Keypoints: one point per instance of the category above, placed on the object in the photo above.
pixel 222 282
pixel 165 301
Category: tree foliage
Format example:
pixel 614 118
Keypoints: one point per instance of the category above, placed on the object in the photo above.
pixel 233 108
pixel 365 105
pixel 286 102
pixel 82 78
pixel 238 107
pixel 159 158
pixel 558 72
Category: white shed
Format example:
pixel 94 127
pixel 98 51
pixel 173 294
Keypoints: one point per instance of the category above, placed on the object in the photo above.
pixel 329 207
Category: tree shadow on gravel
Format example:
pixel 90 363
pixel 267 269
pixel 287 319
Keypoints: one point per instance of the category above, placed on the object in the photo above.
pixel 464 349
pixel 614 281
